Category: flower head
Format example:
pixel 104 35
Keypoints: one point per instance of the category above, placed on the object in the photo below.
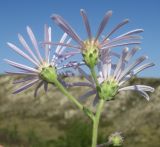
pixel 116 139
pixel 45 69
pixel 91 47
pixel 111 76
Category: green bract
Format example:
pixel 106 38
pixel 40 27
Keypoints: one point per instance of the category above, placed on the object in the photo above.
pixel 108 90
pixel 116 139
pixel 49 74
pixel 90 53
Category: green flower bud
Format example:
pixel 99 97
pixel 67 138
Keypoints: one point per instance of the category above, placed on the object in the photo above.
pixel 48 74
pixel 107 90
pixel 116 139
pixel 90 53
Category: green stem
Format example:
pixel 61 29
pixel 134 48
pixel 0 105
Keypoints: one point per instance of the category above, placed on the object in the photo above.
pixel 87 111
pixel 94 76
pixel 96 123
pixel 69 96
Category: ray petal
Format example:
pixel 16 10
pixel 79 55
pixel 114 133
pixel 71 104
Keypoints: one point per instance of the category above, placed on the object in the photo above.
pixel 21 66
pixel 86 23
pixel 37 88
pixel 66 28
pixel 88 94
pixel 26 86
pixel 25 45
pixel 115 29
pixel 103 24
pixel 20 52
pixel 131 66
pixel 34 42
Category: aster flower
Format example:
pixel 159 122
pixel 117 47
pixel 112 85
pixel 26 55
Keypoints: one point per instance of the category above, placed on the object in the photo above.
pixel 44 69
pixel 92 46
pixel 111 76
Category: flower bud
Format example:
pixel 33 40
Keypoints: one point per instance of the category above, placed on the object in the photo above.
pixel 107 90
pixel 48 74
pixel 116 139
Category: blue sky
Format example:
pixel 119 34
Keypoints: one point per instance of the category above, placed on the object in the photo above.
pixel 17 14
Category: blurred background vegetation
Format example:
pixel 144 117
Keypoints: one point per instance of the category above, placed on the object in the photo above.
pixel 51 121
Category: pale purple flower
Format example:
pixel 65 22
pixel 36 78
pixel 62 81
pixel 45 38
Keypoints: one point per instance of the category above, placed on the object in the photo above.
pixel 128 38
pixel 117 73
pixel 31 75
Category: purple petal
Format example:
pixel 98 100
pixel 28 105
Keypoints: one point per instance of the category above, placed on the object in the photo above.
pixel 47 38
pixel 95 101
pixel 34 42
pixel 120 39
pixel 130 67
pixel 26 86
pixel 132 32
pixel 139 69
pixel 80 84
pixel 25 80
pixel 86 23
pixel 121 64
pixel 20 73
pixel 21 66
pixel 17 50
pixel 66 28
pixel 103 24
pixel 85 74
pixel 45 86
pixel 116 28
pixel 88 94
pixel 131 53
pixel 37 88
pixel 25 45
pixel 121 44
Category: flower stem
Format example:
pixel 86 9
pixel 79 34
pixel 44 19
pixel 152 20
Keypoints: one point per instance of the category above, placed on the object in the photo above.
pixel 94 76
pixel 96 123
pixel 87 111
pixel 68 95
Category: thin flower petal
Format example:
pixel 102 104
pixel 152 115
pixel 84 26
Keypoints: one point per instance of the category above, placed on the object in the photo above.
pixel 132 32
pixel 17 50
pixel 115 29
pixel 121 39
pixel 121 65
pixel 34 42
pixel 121 44
pixel 139 88
pixel 20 73
pixel 25 79
pixel 95 101
pixel 26 86
pixel 21 66
pixel 45 86
pixel 66 28
pixel 80 84
pixel 131 53
pixel 85 74
pixel 142 67
pixel 25 45
pixel 103 24
pixel 88 94
pixel 47 38
pixel 133 65
pixel 86 23
pixel 37 88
